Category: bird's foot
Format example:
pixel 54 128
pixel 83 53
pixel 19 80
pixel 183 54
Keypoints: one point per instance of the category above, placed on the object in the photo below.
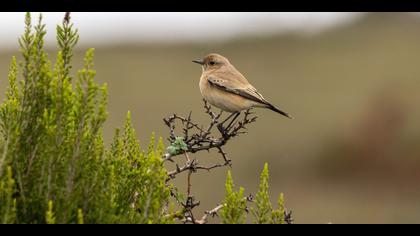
pixel 222 130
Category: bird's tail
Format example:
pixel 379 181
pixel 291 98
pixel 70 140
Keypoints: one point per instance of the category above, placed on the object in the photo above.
pixel 273 108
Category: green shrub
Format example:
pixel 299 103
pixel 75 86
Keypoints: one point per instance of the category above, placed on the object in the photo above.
pixel 54 167
pixel 235 209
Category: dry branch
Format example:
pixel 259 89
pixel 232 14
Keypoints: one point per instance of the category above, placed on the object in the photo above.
pixel 196 138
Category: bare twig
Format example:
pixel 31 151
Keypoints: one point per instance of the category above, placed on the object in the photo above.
pixel 66 19
pixel 213 212
pixel 288 217
pixel 193 166
pixel 189 183
pixel 201 139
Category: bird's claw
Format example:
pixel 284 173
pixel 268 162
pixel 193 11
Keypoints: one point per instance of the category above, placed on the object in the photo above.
pixel 222 130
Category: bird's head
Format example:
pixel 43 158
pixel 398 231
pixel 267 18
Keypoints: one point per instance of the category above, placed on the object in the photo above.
pixel 212 61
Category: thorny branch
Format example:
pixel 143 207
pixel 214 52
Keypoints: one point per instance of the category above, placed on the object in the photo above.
pixel 193 166
pixel 66 19
pixel 199 138
pixel 288 217
pixel 196 138
pixel 203 139
pixel 214 212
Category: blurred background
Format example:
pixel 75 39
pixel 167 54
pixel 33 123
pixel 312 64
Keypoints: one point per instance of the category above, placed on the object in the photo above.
pixel 351 80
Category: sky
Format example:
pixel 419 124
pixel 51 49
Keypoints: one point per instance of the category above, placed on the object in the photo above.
pixel 110 28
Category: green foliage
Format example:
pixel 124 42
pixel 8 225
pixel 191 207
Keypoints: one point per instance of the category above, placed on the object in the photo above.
pixel 49 216
pixel 57 168
pixel 177 146
pixel 263 206
pixel 263 211
pixel 80 216
pixel 278 215
pixel 234 210
pixel 8 202
pixel 139 191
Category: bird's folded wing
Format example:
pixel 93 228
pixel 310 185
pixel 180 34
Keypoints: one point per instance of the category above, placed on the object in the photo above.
pixel 247 91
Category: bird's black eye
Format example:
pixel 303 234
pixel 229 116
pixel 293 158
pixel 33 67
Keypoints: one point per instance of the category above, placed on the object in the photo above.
pixel 212 63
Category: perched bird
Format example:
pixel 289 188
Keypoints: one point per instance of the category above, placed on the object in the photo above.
pixel 223 86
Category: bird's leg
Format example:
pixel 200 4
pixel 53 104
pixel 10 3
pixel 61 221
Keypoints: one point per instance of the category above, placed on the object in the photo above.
pixel 220 125
pixel 231 122
pixel 228 118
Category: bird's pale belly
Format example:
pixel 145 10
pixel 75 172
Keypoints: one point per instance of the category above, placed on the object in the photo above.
pixel 224 100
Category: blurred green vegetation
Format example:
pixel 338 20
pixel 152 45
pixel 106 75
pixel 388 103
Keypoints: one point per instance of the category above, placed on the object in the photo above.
pixel 351 154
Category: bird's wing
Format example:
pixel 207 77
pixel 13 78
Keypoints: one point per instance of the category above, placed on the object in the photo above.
pixel 239 87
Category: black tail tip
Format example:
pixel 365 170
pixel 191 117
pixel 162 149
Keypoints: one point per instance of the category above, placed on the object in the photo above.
pixel 288 115
pixel 273 108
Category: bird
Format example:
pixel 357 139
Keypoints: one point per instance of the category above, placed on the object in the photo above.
pixel 223 86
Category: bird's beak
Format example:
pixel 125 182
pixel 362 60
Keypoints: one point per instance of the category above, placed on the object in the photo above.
pixel 199 61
